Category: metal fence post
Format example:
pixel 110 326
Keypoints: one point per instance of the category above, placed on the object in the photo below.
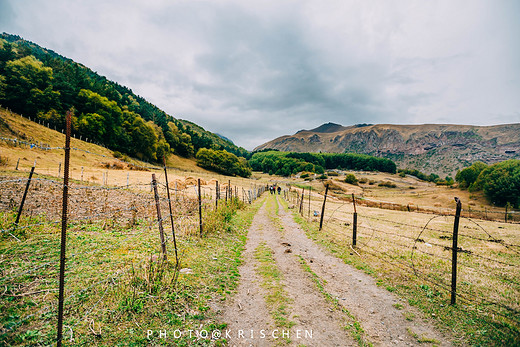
pixel 454 252
pixel 64 230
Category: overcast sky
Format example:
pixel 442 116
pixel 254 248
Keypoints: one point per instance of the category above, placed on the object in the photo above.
pixel 256 70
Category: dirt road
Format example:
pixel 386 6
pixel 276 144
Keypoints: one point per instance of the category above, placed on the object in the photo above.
pixel 293 292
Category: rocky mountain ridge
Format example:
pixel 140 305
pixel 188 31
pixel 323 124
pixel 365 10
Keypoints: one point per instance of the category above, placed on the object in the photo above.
pixel 432 148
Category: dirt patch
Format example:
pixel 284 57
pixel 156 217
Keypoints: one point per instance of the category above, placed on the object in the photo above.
pixel 313 323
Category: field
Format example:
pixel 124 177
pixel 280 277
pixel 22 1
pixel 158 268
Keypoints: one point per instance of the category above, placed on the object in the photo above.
pixel 119 290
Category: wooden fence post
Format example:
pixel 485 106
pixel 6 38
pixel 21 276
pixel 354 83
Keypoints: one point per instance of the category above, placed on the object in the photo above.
pixel 216 194
pixel 301 202
pixel 171 212
pixel 200 210
pixel 323 207
pixel 309 215
pixel 159 218
pixel 454 252
pixel 354 223
pixel 24 196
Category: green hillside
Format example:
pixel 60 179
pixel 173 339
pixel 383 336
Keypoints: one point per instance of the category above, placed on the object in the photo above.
pixel 41 84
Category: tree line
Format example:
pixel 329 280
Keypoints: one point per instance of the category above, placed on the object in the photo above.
pixel 40 83
pixel 289 163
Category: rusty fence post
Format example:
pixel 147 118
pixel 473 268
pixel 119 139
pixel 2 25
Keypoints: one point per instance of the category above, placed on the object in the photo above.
pixel 24 196
pixel 159 218
pixel 171 213
pixel 454 252
pixel 200 210
pixel 323 207
pixel 354 223
pixel 64 230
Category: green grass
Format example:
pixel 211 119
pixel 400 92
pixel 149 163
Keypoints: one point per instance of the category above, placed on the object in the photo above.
pixel 276 297
pixel 116 285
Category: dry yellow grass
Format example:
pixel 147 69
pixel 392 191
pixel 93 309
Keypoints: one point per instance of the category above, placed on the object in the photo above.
pixel 91 163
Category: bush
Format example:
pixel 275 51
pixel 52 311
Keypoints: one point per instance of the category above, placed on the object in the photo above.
pixel 4 161
pixel 387 184
pixel 351 179
pixel 305 175
pixel 332 173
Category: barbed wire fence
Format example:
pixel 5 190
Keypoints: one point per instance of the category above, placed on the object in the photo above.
pixel 132 211
pixel 474 261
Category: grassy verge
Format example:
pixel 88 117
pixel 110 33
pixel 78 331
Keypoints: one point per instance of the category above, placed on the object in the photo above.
pixel 276 298
pixel 119 291
pixel 468 322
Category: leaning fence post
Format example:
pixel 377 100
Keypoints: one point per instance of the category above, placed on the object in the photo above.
pixel 171 213
pixel 323 207
pixel 18 162
pixel 64 230
pixel 200 210
pixel 24 196
pixel 159 218
pixel 454 252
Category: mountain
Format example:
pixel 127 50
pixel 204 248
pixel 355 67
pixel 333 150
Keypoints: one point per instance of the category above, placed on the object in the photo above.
pixel 43 85
pixel 432 148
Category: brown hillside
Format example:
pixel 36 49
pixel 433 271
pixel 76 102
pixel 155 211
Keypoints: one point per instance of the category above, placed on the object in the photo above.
pixel 438 148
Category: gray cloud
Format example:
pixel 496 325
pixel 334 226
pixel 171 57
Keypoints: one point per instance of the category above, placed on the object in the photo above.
pixel 256 70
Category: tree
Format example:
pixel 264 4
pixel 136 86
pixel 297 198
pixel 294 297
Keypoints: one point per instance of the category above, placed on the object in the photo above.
pixel 222 161
pixel 466 177
pixel 501 182
pixel 27 87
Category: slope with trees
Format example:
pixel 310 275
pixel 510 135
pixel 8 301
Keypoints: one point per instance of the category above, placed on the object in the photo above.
pixel 42 84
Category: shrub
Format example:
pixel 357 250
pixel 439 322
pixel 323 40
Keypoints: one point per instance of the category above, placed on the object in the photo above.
pixel 4 161
pixel 387 184
pixel 351 179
